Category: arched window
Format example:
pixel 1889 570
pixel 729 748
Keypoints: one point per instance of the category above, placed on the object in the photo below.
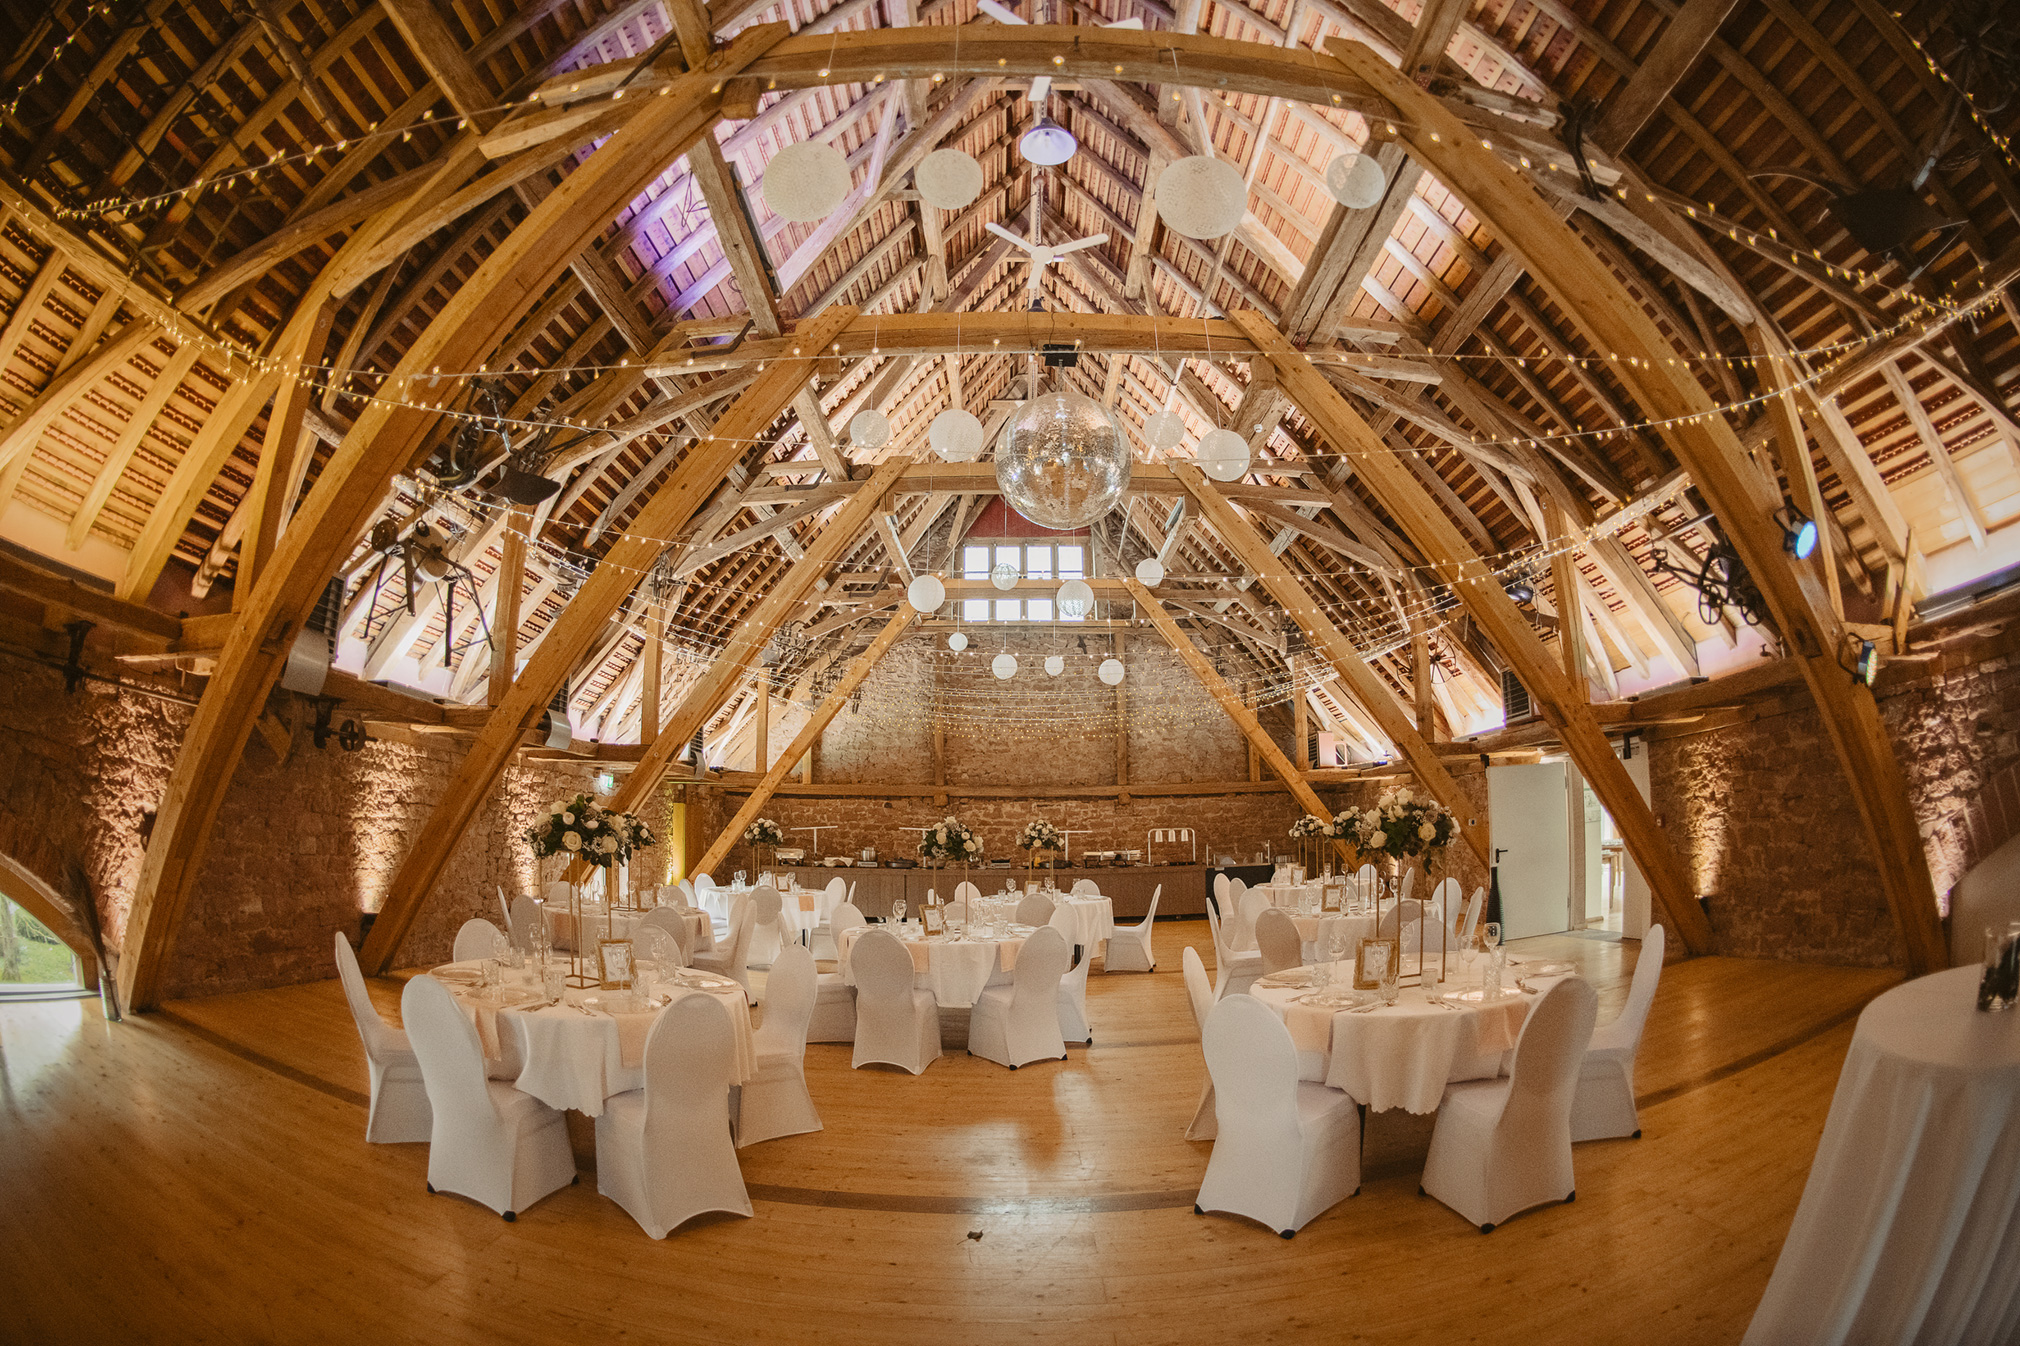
pixel 33 961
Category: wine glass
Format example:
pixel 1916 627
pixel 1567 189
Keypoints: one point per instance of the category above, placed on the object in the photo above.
pixel 1490 936
pixel 898 910
pixel 1467 953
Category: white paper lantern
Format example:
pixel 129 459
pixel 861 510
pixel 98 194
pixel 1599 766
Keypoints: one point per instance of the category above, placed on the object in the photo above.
pixel 1164 430
pixel 926 593
pixel 1222 455
pixel 948 179
pixel 1054 665
pixel 957 642
pixel 805 182
pixel 1004 666
pixel 1111 671
pixel 869 430
pixel 956 435
pixel 1150 572
pixel 1075 598
pixel 1201 197
pixel 1355 181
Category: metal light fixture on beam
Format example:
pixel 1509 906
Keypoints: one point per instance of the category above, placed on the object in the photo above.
pixel 1799 532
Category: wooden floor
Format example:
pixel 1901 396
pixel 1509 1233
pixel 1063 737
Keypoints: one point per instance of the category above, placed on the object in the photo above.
pixel 201 1174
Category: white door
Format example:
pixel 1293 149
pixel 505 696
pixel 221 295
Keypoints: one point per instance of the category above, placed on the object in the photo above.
pixel 1529 808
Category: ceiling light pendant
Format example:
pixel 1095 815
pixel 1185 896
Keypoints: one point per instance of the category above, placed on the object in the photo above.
pixel 1111 671
pixel 948 179
pixel 957 642
pixel 869 430
pixel 956 436
pixel 1150 572
pixel 1163 429
pixel 1047 143
pixel 1202 197
pixel 926 593
pixel 1222 455
pixel 1004 666
pixel 1355 181
pixel 1075 598
pixel 1054 665
pixel 805 182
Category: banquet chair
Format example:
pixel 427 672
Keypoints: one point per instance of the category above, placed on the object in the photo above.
pixel 1448 900
pixel 664 1152
pixel 673 923
pixel 1288 1150
pixel 557 893
pixel 527 917
pixel 1129 947
pixel 1473 907
pixel 487 1140
pixel 1409 884
pixel 475 938
pixel 956 913
pixel 1241 930
pixel 1276 938
pixel 965 891
pixel 1016 1024
pixel 1367 879
pixel 897 1024
pixel 1233 973
pixel 1035 910
pixel 728 957
pixel 1504 1145
pixel 505 910
pixel 1400 922
pixel 822 938
pixel 834 1013
pixel 775 1102
pixel 767 935
pixel 399 1109
pixel 1281 874
pixel 1199 992
pixel 1086 888
pixel 1603 1105
pixel 1073 1025
pixel 1220 889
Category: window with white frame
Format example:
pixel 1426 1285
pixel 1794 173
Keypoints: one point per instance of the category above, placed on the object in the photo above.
pixel 1050 561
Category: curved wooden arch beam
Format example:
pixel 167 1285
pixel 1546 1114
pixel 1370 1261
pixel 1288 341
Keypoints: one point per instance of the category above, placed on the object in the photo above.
pixel 1709 448
pixel 577 629
pixel 1366 684
pixel 383 441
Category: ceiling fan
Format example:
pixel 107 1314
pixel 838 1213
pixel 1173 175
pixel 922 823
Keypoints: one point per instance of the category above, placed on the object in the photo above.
pixel 1046 143
pixel 1041 254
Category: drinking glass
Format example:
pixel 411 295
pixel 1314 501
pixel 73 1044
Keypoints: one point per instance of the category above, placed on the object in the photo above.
pixel 898 910
pixel 553 978
pixel 1467 955
pixel 1490 936
pixel 488 967
pixel 1391 981
pixel 1322 976
pixel 739 878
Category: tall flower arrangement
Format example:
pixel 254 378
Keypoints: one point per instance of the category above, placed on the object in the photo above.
pixel 764 837
pixel 584 830
pixel 1039 835
pixel 1400 826
pixel 952 841
pixel 1310 832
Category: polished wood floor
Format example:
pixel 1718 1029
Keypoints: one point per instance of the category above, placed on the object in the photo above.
pixel 201 1175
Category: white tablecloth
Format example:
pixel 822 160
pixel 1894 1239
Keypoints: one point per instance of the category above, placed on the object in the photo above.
pixel 1289 895
pixel 1087 921
pixel 561 926
pixel 1401 1055
pixel 954 969
pixel 1909 1228
pixel 568 1059
pixel 1312 929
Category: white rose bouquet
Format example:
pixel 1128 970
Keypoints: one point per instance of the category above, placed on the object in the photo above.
pixel 1308 827
pixel 584 830
pixel 1039 835
pixel 1401 825
pixel 764 832
pixel 951 840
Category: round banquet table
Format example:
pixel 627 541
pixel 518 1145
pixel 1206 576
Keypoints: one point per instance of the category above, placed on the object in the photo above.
pixel 1909 1227
pixel 1313 929
pixel 1086 921
pixel 1401 1055
pixel 561 925
pixel 570 1059
pixel 955 968
pixel 1289 894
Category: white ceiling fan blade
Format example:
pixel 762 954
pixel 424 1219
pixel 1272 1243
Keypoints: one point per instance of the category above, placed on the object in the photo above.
pixel 1001 13
pixel 1040 87
pixel 1136 24
pixel 1077 244
pixel 1006 235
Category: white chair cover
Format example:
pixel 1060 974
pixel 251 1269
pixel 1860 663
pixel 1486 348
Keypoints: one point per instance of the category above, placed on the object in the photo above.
pixel 775 1102
pixel 1276 937
pixel 527 916
pixel 1367 879
pixel 766 936
pixel 834 1017
pixel 664 1152
pixel 956 913
pixel 1474 905
pixel 476 938
pixel 1220 888
pixel 1401 922
pixel 1129 947
pixel 1502 1146
pixel 730 958
pixel 505 910
pixel 1233 972
pixel 1086 888
pixel 1073 1025
pixel 1603 1105
pixel 822 938
pixel 489 1142
pixel 1288 1150
pixel 1281 874
pixel 1409 883
pixel 965 891
pixel 557 894
pixel 673 923
pixel 1199 991
pixel 1035 910
pixel 399 1111
pixel 1019 1023
pixel 897 1023
pixel 1240 931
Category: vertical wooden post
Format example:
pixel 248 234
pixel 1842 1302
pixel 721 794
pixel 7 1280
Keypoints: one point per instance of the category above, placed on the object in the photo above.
pixel 1420 665
pixel 655 642
pixel 939 733
pixel 762 757
pixel 1570 607
pixel 1301 720
pixel 1254 758
pixel 505 621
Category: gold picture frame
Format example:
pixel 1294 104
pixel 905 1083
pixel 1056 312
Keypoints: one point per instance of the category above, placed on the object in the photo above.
pixel 1374 956
pixel 614 961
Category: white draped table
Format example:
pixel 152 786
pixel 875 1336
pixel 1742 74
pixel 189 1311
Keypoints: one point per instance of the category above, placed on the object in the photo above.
pixel 561 925
pixel 1401 1055
pixel 1087 921
pixel 1314 931
pixel 1909 1228
pixel 569 1059
pixel 954 968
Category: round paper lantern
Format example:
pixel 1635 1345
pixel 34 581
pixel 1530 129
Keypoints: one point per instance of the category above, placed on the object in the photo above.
pixel 957 642
pixel 1201 197
pixel 948 179
pixel 1222 455
pixel 805 182
pixel 1355 181
pixel 1110 671
pixel 1062 461
pixel 956 436
pixel 1004 666
pixel 926 593
pixel 1004 575
pixel 1164 429
pixel 1150 572
pixel 1075 598
pixel 869 429
pixel 1054 665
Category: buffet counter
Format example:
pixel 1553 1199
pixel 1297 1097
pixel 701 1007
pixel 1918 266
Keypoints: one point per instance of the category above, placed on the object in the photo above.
pixel 1128 886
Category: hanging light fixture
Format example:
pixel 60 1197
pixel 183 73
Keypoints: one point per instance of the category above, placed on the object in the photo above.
pixel 1799 532
pixel 1164 429
pixel 1222 455
pixel 1047 143
pixel 1355 181
pixel 926 593
pixel 957 642
pixel 1062 461
pixel 956 436
pixel 869 430
pixel 948 179
pixel 1150 572
pixel 1202 197
pixel 1054 665
pixel 1004 666
pixel 1111 671
pixel 1075 598
pixel 805 182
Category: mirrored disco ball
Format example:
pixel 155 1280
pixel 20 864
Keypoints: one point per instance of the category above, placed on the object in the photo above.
pixel 1062 460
